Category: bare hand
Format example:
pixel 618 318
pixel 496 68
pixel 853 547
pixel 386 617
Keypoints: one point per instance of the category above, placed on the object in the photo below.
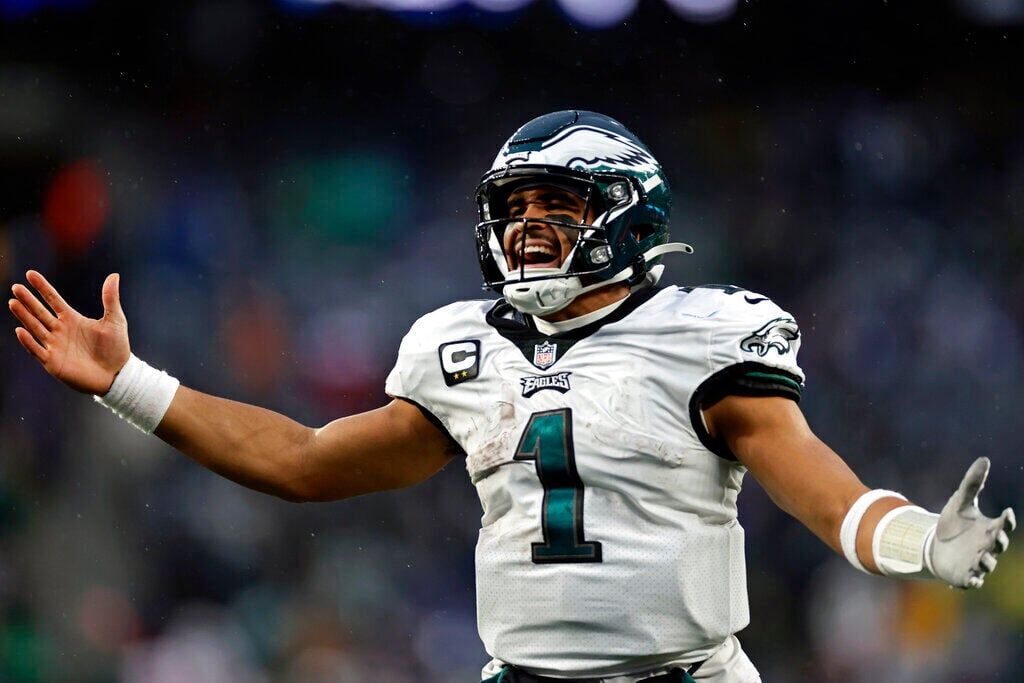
pixel 83 353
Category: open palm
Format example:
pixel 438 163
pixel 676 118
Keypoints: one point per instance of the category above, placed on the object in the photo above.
pixel 84 353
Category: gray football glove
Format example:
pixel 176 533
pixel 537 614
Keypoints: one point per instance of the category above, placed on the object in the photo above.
pixel 966 542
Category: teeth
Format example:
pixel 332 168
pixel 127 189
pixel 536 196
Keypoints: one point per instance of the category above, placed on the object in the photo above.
pixel 539 250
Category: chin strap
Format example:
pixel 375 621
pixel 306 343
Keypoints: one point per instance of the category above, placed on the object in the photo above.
pixel 561 293
pixel 668 248
pixel 654 273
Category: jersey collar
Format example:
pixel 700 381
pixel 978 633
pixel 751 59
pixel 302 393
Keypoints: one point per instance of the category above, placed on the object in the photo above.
pixel 553 328
pixel 521 330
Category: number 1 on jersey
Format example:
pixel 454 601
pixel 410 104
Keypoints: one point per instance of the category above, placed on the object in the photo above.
pixel 547 440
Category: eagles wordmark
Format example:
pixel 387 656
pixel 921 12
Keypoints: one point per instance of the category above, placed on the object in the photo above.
pixel 534 383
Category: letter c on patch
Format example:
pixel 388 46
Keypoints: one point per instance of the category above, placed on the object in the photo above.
pixel 460 361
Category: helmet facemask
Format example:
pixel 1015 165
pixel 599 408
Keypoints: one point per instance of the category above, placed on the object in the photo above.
pixel 592 255
pixel 625 191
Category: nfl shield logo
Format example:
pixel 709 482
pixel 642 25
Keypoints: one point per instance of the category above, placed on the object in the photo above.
pixel 544 355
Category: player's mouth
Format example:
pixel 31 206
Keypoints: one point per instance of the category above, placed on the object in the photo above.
pixel 536 252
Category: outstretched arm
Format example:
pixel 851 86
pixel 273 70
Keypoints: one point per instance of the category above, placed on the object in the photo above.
pixel 390 447
pixel 802 475
pixel 810 481
pixel 386 448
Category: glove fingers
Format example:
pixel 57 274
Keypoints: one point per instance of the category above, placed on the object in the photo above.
pixel 987 562
pixel 972 483
pixel 1000 527
pixel 1009 520
pixel 975 582
pixel 1001 542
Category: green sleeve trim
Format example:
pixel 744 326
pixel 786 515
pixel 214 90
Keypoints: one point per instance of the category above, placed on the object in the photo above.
pixel 742 379
pixel 771 376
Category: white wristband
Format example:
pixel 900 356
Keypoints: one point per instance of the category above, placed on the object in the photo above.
pixel 851 523
pixel 140 394
pixel 901 542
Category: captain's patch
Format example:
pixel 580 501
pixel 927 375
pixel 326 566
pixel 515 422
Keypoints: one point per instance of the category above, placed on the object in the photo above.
pixel 460 361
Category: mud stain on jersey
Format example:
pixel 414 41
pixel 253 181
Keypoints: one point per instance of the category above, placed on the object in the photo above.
pixel 497 440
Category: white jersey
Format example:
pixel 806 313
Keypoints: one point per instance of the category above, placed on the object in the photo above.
pixel 609 540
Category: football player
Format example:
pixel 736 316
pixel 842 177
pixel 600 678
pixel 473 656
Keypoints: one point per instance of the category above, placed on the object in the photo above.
pixel 606 424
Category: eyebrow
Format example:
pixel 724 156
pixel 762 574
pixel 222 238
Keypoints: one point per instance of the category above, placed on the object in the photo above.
pixel 552 196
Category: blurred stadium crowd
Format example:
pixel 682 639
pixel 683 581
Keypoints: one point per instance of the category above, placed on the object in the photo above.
pixel 285 189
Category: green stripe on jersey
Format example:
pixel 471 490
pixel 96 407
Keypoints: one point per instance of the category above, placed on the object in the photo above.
pixel 788 381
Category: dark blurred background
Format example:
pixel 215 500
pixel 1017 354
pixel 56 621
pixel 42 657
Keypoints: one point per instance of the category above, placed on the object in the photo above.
pixel 285 187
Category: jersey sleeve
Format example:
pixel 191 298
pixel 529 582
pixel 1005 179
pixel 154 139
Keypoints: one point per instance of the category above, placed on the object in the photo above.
pixel 410 379
pixel 394 385
pixel 752 351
